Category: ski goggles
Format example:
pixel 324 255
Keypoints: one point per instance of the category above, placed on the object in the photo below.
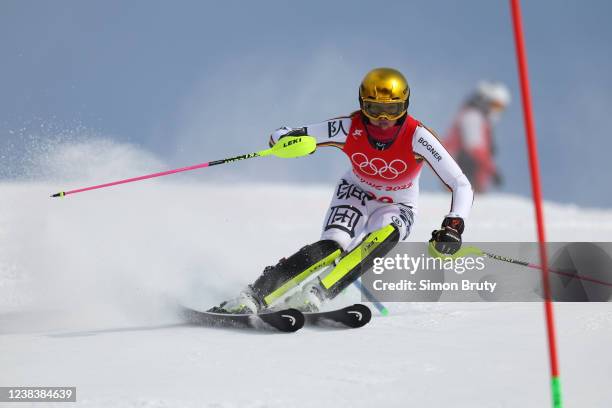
pixel 497 106
pixel 389 111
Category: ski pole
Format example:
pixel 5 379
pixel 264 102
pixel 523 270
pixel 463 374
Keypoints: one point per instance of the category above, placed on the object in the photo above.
pixel 381 308
pixel 288 147
pixel 472 250
pixel 571 273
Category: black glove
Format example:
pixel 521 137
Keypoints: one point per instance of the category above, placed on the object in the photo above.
pixel 278 134
pixel 448 239
pixel 295 132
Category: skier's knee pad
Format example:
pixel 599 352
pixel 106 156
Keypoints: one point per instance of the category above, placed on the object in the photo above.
pixel 290 272
pixel 359 260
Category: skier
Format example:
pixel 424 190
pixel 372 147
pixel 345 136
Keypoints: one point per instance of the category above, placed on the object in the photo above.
pixel 470 140
pixel 373 205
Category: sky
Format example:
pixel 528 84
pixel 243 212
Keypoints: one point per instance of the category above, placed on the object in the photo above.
pixel 193 81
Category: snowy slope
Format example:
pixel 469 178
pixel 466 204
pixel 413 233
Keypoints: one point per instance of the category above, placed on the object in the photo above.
pixel 85 284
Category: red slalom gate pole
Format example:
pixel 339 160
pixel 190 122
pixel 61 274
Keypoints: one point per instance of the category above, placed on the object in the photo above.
pixel 521 56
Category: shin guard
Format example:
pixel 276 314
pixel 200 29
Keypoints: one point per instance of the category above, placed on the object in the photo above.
pixel 357 262
pixel 276 281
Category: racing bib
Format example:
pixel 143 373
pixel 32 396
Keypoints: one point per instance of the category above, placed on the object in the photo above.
pixel 395 166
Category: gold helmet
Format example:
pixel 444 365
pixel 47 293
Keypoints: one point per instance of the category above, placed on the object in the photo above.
pixel 384 94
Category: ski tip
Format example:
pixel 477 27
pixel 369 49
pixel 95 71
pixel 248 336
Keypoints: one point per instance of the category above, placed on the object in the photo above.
pixel 295 318
pixel 287 320
pixel 384 311
pixel 60 194
pixel 361 315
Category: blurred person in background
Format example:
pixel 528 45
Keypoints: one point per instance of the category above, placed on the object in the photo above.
pixel 470 140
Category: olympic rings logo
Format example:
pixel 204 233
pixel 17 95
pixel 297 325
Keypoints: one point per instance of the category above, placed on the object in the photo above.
pixel 378 166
